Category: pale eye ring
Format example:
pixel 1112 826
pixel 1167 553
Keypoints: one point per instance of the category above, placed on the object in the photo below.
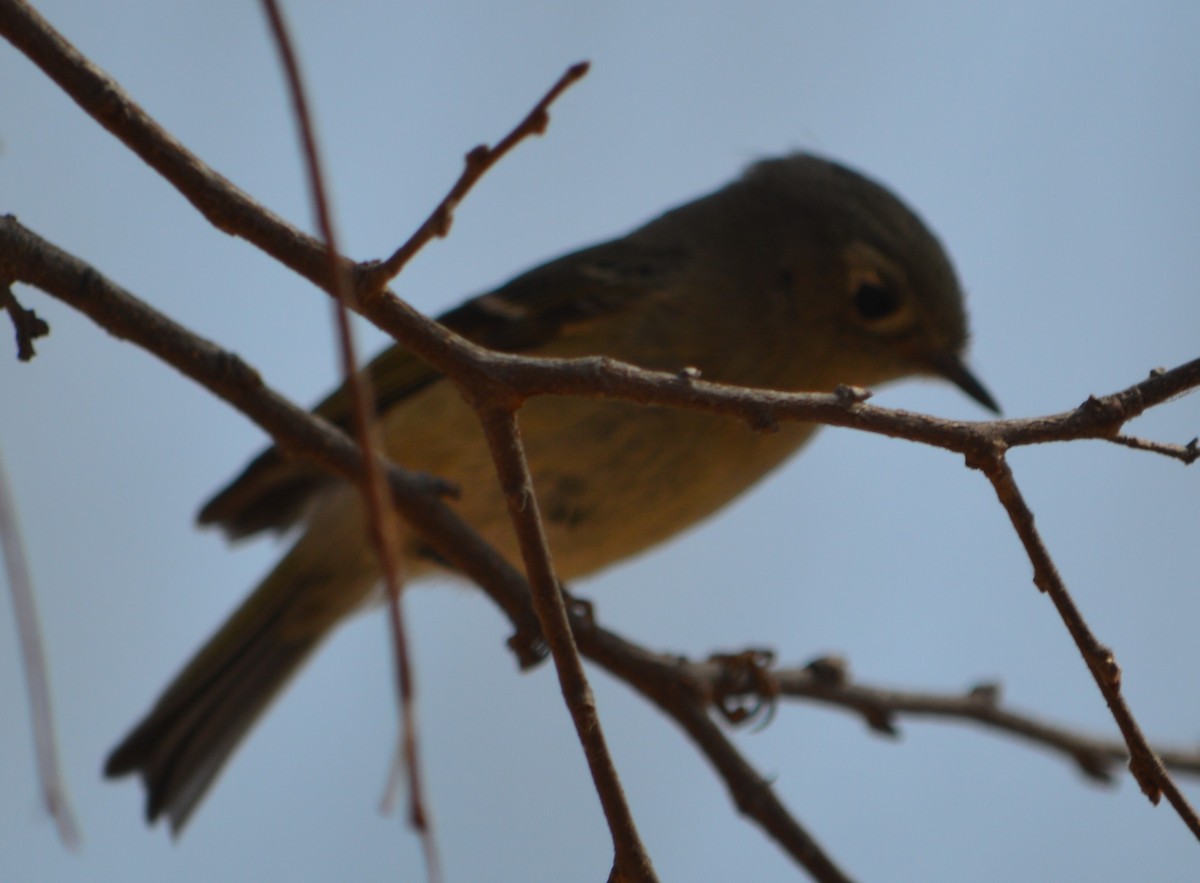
pixel 875 302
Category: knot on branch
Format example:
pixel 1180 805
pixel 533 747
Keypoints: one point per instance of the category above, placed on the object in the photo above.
pixel 744 688
pixel 1107 414
pixel 987 455
pixel 1103 663
pixel 1148 775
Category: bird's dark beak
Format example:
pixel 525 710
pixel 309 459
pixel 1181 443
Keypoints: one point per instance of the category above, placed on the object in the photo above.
pixel 951 367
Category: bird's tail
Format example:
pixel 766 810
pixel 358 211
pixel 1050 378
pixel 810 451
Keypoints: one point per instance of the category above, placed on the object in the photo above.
pixel 194 727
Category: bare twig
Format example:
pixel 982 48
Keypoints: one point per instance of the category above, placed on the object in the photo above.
pixel 631 862
pixel 374 277
pixel 301 434
pixel 827 680
pixel 505 381
pixel 27 324
pixel 25 257
pixel 1145 765
pixel 226 206
pixel 37 679
pixel 1186 454
pixel 381 518
pixel 669 684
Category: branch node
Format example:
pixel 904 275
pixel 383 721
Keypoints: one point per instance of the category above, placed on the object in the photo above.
pixel 477 158
pixel 1095 765
pixel 987 693
pixel 1145 771
pixel 829 670
pixel 27 324
pixel 530 648
pixel 848 396
pixel 987 456
pixel 881 721
pixel 1108 413
pixel 746 688
pixel 1103 662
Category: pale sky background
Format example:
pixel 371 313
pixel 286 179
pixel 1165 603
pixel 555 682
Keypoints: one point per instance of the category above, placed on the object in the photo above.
pixel 1052 146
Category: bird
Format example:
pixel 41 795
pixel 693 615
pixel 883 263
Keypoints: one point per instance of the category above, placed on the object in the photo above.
pixel 802 274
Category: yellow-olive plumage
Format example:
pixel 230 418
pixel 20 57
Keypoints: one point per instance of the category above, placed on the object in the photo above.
pixel 800 275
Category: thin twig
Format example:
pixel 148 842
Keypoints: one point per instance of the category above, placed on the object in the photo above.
pixel 25 257
pixel 668 683
pixel 381 518
pixel 1186 454
pixel 827 681
pixel 231 210
pixel 476 164
pixel 27 324
pixel 37 678
pixel 227 207
pixel 1145 765
pixel 631 862
pixel 301 434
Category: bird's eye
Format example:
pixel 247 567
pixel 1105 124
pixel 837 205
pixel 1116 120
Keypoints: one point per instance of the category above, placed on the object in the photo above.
pixel 875 302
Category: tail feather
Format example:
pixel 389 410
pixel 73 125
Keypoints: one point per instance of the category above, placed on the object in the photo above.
pixel 181 746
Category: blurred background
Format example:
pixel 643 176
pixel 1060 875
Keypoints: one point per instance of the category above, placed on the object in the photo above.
pixel 1052 146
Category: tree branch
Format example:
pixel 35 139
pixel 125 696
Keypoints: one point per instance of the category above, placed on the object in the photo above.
pixel 31 259
pixel 381 518
pixel 503 381
pixel 231 210
pixel 25 257
pixel 37 677
pixel 631 862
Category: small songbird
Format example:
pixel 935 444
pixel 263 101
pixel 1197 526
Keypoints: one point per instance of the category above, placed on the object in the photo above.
pixel 799 276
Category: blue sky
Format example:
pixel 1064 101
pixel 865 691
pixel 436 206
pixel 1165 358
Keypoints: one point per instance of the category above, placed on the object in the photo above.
pixel 1053 149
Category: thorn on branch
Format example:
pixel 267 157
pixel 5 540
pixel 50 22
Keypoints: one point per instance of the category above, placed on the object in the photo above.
pixel 27 324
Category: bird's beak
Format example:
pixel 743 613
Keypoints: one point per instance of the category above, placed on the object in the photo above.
pixel 951 367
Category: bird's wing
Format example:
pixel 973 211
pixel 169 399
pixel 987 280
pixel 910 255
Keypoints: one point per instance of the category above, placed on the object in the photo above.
pixel 524 315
